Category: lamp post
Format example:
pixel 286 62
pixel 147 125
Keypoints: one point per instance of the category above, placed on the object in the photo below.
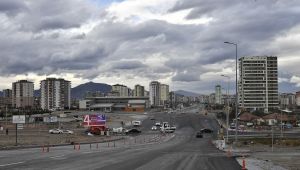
pixel 236 88
pixel 227 115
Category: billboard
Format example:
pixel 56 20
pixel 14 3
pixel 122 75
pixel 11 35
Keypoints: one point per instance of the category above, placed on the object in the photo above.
pixel 18 119
pixel 94 120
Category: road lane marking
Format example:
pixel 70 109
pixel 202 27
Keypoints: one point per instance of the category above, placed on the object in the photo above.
pixel 11 164
pixel 58 156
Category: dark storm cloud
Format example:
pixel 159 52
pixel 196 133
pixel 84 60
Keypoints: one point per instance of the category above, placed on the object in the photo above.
pixel 41 41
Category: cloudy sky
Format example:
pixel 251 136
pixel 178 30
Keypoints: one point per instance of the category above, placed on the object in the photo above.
pixel 178 42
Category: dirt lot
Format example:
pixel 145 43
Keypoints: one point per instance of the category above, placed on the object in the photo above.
pixel 36 134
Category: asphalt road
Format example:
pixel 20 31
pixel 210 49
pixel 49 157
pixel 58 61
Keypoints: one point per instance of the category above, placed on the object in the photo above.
pixel 150 150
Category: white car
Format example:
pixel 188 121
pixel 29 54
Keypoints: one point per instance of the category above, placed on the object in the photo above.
pixel 68 132
pixel 153 128
pixel 55 131
pixel 157 124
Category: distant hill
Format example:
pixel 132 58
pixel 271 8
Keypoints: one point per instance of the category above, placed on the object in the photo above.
pixel 79 91
pixel 187 93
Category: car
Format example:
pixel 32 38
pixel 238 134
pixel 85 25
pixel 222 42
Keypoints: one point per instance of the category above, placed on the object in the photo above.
pixel 206 130
pixel 132 131
pixel 157 124
pixel 173 127
pixel 67 131
pixel 199 135
pixel 55 131
pixel 154 128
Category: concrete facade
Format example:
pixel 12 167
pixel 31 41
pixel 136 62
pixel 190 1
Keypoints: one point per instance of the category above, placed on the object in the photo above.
pixel 55 94
pixel 258 83
pixel 22 94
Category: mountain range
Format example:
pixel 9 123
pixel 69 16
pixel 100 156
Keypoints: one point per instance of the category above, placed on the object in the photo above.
pixel 186 93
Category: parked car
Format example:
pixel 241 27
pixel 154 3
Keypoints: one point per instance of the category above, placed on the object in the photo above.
pixel 206 130
pixel 55 131
pixel 199 135
pixel 132 131
pixel 68 132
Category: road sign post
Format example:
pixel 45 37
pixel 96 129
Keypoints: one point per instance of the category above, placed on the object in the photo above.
pixel 16 134
pixel 19 120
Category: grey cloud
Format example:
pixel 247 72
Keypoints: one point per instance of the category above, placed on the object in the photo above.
pixel 12 7
pixel 127 65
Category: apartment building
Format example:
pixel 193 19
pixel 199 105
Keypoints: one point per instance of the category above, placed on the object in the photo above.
pixel 55 94
pixel 258 83
pixel 164 94
pixel 218 94
pixel 139 91
pixel 120 90
pixel 22 94
pixel 154 93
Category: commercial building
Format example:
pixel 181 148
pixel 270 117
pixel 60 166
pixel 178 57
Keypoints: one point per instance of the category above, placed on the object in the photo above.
pixel 154 93
pixel 218 95
pixel 139 91
pixel 55 94
pixel 258 83
pixel 164 94
pixel 115 103
pixel 22 94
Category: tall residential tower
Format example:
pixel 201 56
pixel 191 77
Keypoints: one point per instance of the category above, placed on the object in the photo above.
pixel 55 94
pixel 22 94
pixel 258 83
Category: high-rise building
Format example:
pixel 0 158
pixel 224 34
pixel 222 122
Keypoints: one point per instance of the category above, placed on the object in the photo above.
pixel 218 95
pixel 297 98
pixel 154 93
pixel 164 94
pixel 287 100
pixel 55 94
pixel 258 83
pixel 139 91
pixel 6 99
pixel 22 94
pixel 122 90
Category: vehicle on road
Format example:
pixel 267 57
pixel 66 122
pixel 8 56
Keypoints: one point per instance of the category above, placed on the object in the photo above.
pixel 132 131
pixel 136 123
pixel 173 127
pixel 154 128
pixel 199 135
pixel 55 131
pixel 157 124
pixel 118 130
pixel 67 132
pixel 168 130
pixel 206 130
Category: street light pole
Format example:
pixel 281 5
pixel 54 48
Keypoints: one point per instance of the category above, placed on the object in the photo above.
pixel 227 115
pixel 236 88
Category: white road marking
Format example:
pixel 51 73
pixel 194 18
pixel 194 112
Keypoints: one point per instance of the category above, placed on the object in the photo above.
pixel 11 164
pixel 59 156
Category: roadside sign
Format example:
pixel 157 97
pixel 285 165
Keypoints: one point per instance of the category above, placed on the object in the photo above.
pixel 51 119
pixel 19 119
pixel 20 126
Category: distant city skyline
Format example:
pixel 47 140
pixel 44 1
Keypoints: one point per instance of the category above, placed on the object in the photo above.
pixel 130 42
